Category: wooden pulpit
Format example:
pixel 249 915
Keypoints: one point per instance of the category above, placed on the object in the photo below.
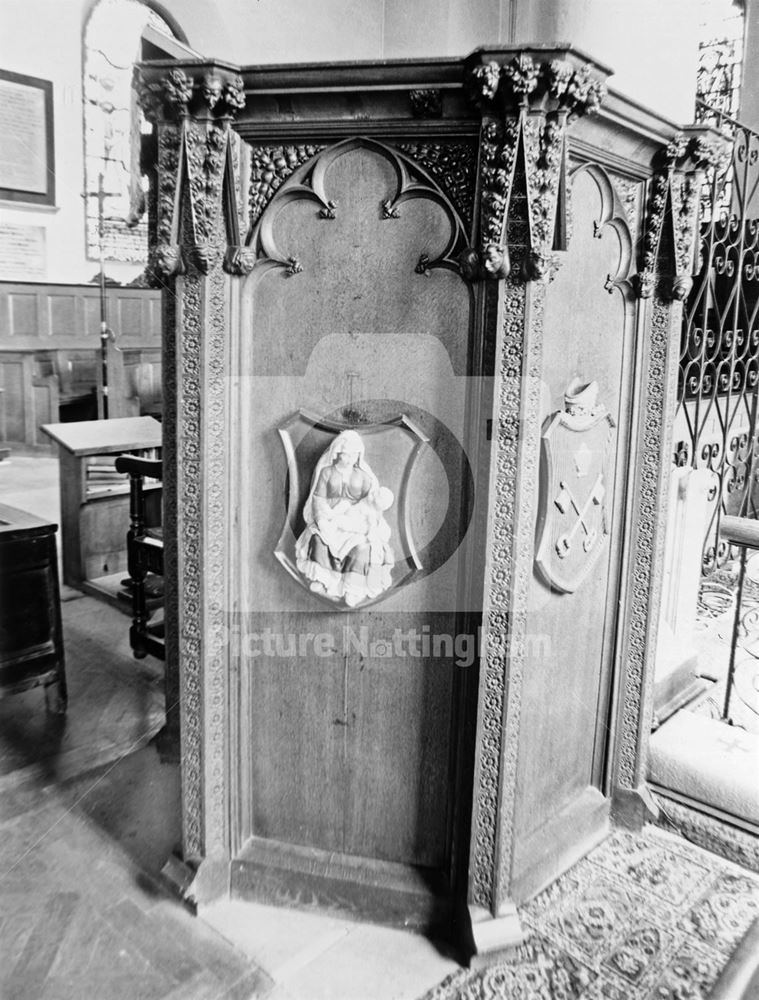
pixel 417 375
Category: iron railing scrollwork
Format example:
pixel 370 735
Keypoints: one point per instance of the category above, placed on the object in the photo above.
pixel 716 420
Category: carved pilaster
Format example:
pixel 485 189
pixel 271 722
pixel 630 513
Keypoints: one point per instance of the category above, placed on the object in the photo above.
pixel 670 257
pixel 200 221
pixel 528 101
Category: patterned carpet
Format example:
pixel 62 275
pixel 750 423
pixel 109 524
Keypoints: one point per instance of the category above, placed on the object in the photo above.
pixel 643 917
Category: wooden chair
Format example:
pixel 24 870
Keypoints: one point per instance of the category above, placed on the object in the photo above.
pixel 144 556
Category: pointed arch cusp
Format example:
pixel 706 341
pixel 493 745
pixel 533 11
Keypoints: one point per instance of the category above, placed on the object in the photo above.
pixel 310 183
pixel 614 216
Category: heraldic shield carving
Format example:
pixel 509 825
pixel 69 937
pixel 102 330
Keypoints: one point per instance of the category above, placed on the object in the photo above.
pixel 573 526
pixel 347 536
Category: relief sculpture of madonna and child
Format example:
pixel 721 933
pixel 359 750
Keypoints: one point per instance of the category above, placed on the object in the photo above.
pixel 347 538
pixel 344 551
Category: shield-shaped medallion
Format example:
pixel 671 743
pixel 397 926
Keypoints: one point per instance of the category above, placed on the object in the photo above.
pixel 347 535
pixel 575 455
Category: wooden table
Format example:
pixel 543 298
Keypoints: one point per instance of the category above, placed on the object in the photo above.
pixel 95 514
pixel 31 639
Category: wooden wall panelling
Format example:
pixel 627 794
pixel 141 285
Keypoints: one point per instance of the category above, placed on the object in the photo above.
pixel 32 311
pixel 202 814
pixel 17 373
pixel 523 223
pixel 30 397
pixel 57 328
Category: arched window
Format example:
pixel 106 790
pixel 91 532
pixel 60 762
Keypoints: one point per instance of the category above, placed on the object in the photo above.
pixel 118 34
pixel 720 55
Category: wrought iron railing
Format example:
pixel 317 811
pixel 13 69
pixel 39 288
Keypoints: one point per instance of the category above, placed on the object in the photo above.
pixel 740 701
pixel 716 420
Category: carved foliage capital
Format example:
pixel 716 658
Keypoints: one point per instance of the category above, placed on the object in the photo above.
pixel 532 80
pixel 205 91
pixel 670 250
pixel 523 173
pixel 194 169
pixel 528 99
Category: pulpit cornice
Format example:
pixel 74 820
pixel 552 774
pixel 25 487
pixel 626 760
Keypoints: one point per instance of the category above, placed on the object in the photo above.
pixel 170 91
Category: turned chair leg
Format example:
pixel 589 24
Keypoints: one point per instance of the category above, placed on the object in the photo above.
pixel 56 697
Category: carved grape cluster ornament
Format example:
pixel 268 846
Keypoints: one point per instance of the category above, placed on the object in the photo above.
pixel 527 103
pixel 270 168
pixel 426 103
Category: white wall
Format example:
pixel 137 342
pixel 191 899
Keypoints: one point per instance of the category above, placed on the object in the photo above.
pixel 749 110
pixel 649 43
pixel 42 38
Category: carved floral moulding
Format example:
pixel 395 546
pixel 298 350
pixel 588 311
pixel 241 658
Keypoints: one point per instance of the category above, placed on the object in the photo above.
pixel 671 251
pixel 169 92
pixel 270 167
pixel 527 99
pixel 453 165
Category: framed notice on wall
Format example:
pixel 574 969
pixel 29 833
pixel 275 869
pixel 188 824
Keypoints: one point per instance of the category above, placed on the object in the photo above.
pixel 27 168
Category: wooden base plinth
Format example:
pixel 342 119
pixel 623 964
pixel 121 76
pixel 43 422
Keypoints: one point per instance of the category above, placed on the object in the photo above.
pixel 306 878
pixel 676 683
pixel 559 843
pixel 632 808
pixel 493 937
pixel 197 886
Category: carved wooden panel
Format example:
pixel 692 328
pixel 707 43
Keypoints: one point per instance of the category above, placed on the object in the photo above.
pixel 363 284
pixel 354 313
pixel 589 336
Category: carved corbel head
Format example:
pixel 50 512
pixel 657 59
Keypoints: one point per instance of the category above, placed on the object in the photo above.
pixel 239 260
pixel 495 261
pixel 492 263
pixel 539 267
pixel 211 89
pixel 166 260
